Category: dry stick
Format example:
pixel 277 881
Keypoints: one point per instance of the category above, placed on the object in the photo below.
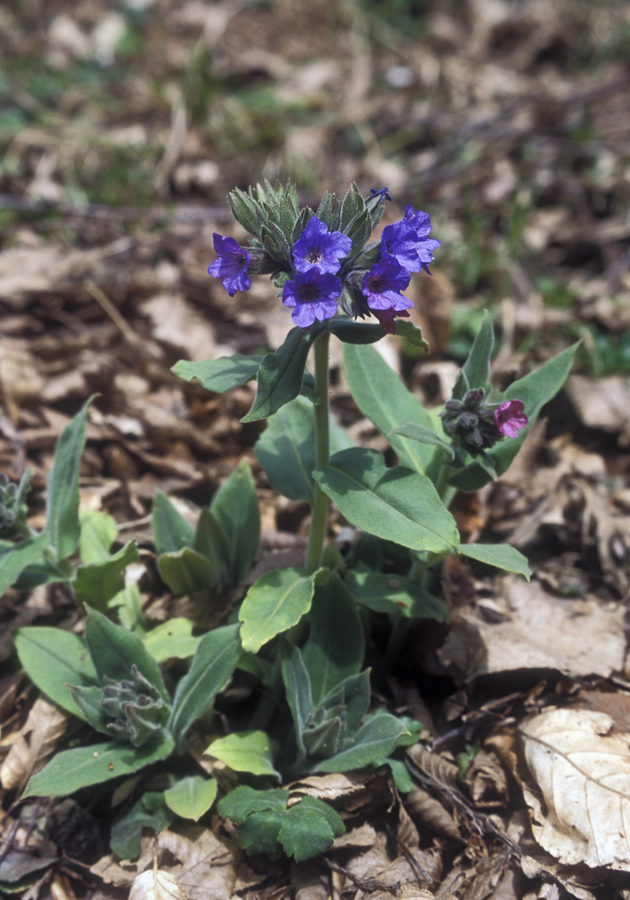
pixel 416 867
pixel 370 884
pixel 106 304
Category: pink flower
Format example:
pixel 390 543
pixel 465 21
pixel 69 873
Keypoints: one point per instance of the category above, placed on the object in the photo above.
pixel 510 418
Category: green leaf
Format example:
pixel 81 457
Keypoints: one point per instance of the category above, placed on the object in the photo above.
pixel 17 557
pixel 62 497
pixel 286 448
pixel 280 374
pixel 243 801
pixel 331 815
pixel 53 659
pixel 412 335
pixel 211 542
pixel 98 533
pixel 114 651
pixel 236 509
pixel 395 596
pixel 212 666
pixel 351 332
pixel 305 833
pixel 172 640
pixel 191 797
pixel 81 767
pixel 395 504
pixel 219 375
pixel 377 737
pixel 502 556
pixel 186 571
pixel 534 390
pixel 383 398
pixel 416 432
pixel 88 699
pixel 259 832
pixel 245 751
pixel 171 531
pixel 400 773
pixel 476 369
pixel 97 582
pixel 335 646
pixel 151 811
pixel 298 687
pixel 274 603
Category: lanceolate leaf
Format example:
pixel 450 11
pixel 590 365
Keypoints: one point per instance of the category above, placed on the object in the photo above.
pixel 298 687
pixel 383 398
pixel 274 603
pixel 235 507
pixel 53 659
pixel 335 647
pixel 114 651
pixel 280 374
pixel 150 811
pixel 395 504
pixel 97 582
pixel 219 375
pixel 17 557
pixel 395 596
pixel 171 531
pixel 186 571
pixel 416 432
pixel 245 751
pixel 62 498
pixel 477 367
pixel 351 332
pixel 98 532
pixel 212 543
pixel 81 767
pixel 286 449
pixel 503 556
pixel 212 666
pixel 376 738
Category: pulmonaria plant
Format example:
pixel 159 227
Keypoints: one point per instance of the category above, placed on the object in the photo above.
pixel 299 632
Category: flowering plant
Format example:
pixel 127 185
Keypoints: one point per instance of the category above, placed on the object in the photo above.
pixel 299 632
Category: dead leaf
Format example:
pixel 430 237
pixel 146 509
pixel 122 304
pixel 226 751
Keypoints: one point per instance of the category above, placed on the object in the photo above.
pixel 155 884
pixel 36 741
pixel 583 772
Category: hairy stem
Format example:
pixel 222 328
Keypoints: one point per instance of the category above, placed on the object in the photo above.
pixel 319 516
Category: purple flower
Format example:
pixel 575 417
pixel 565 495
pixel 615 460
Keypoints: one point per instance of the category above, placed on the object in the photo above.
pixel 407 241
pixel 383 194
pixel 382 284
pixel 317 246
pixel 510 418
pixel 313 294
pixel 231 264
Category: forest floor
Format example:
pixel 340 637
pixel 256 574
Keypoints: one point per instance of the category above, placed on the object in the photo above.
pixel 122 128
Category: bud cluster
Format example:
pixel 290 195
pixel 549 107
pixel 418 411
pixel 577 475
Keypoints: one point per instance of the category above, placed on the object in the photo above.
pixel 12 502
pixel 323 259
pixel 135 707
pixel 479 424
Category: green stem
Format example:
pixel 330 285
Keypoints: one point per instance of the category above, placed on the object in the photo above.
pixel 319 516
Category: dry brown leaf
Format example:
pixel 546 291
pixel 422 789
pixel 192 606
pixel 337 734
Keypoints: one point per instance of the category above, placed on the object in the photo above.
pixel 539 631
pixel 583 772
pixel 432 812
pixel 155 884
pixel 206 870
pixel 38 738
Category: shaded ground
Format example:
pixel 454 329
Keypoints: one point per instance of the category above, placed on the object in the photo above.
pixel 121 131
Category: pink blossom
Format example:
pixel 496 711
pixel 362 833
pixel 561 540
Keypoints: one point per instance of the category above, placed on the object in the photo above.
pixel 510 417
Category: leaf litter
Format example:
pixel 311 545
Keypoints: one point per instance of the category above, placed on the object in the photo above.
pixel 488 114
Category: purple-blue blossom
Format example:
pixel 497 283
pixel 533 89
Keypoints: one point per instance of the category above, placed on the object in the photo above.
pixel 510 417
pixel 312 295
pixel 317 246
pixel 408 241
pixel 382 284
pixel 231 264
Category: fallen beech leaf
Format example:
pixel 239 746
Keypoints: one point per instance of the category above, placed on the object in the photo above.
pixel 38 738
pixel 156 885
pixel 583 772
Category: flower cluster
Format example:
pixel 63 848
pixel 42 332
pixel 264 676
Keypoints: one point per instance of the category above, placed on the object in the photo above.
pixel 134 707
pixel 323 259
pixel 480 424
